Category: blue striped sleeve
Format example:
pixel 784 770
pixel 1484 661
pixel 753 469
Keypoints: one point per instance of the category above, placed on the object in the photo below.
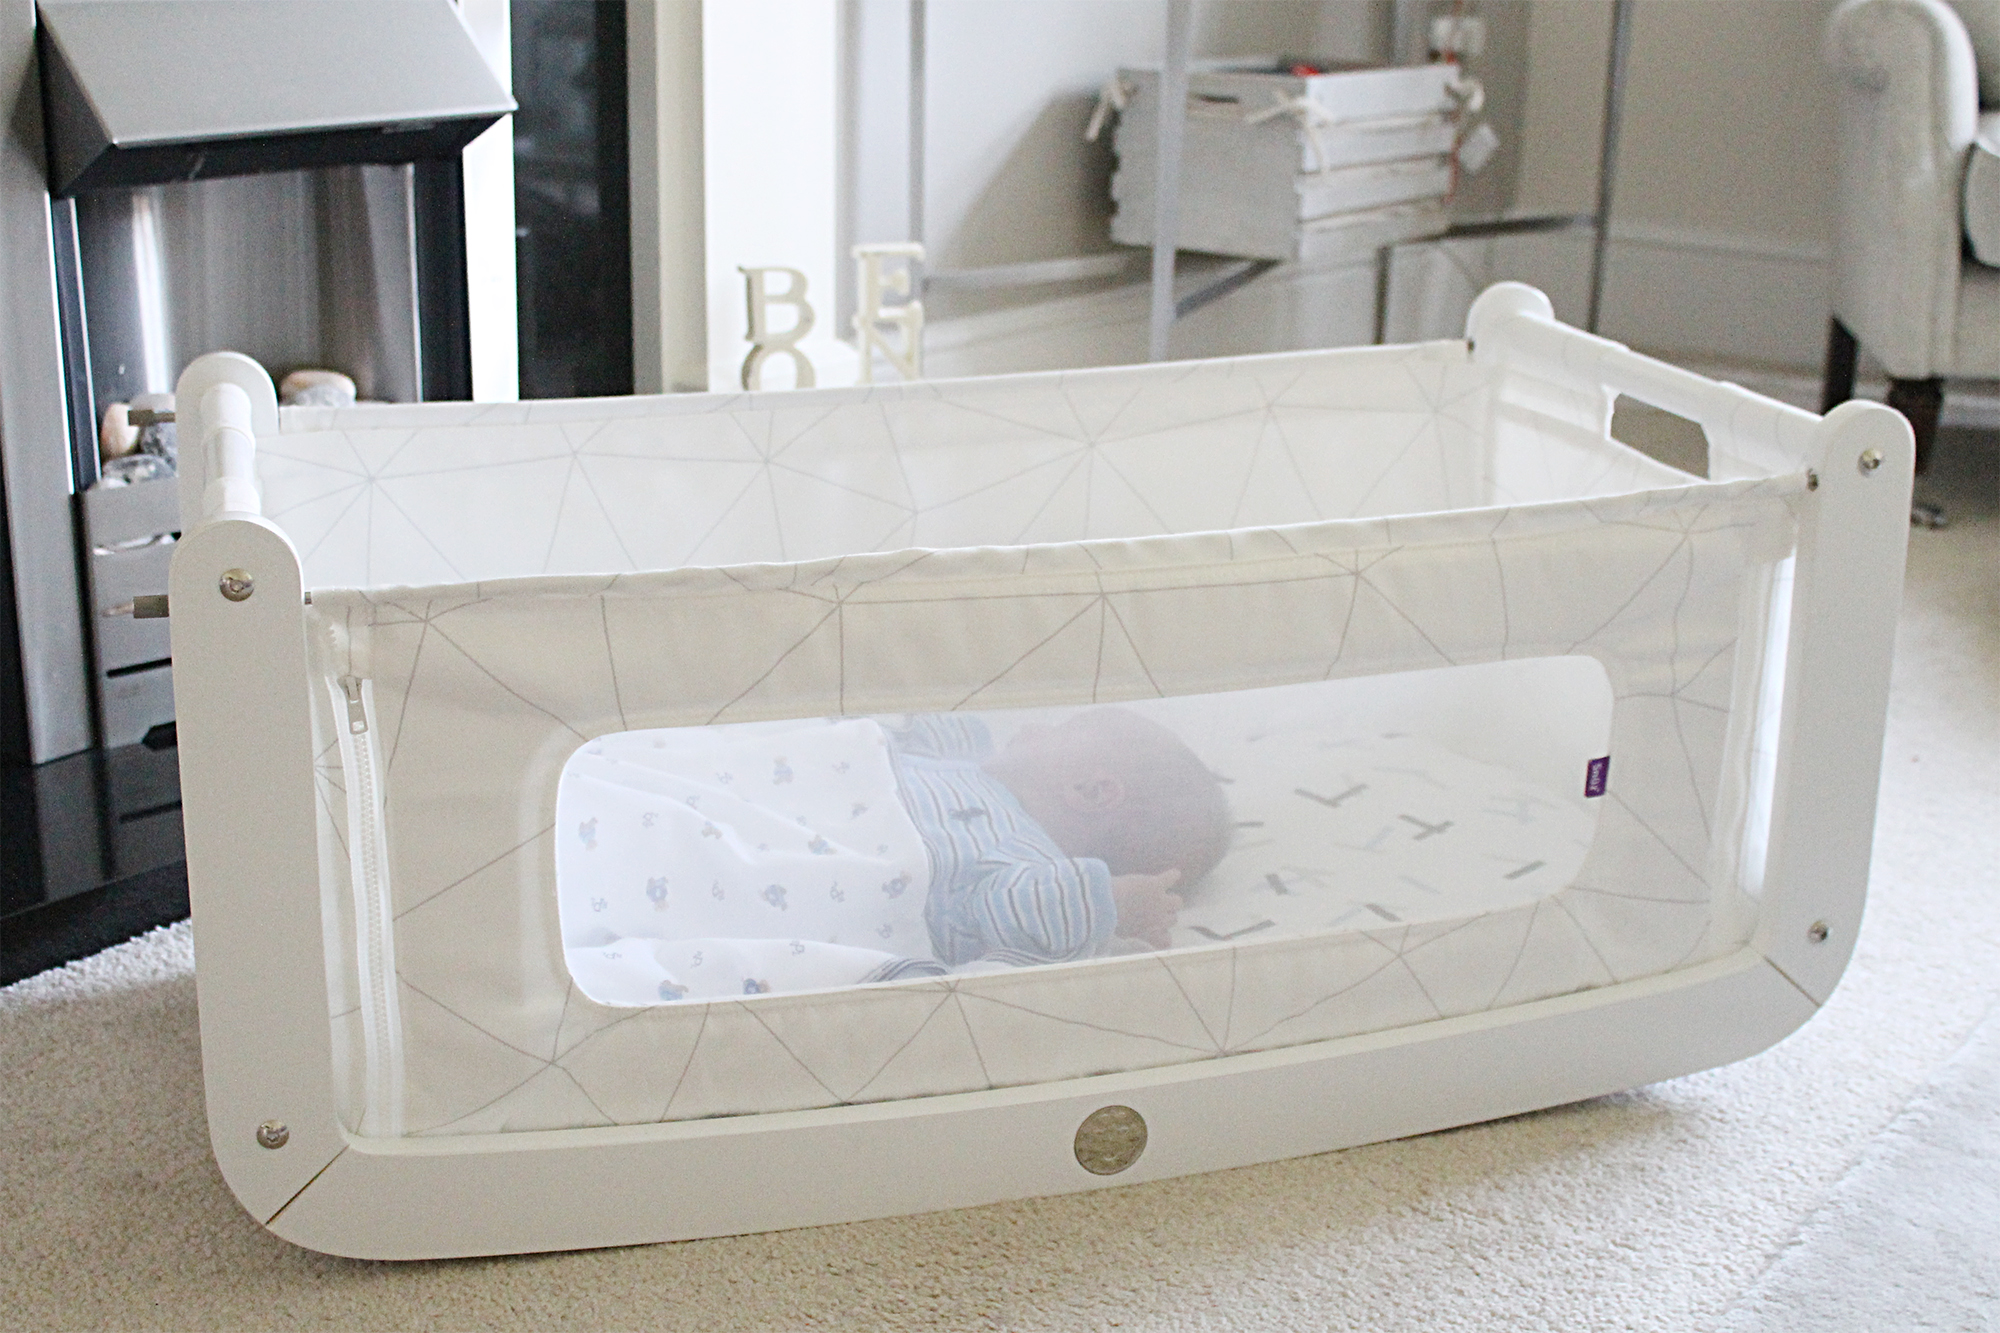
pixel 943 736
pixel 1051 909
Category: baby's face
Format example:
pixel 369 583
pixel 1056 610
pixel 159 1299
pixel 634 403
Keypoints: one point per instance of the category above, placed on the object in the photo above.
pixel 1061 777
pixel 1110 783
pixel 1058 757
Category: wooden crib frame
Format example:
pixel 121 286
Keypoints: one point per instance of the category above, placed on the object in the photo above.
pixel 241 691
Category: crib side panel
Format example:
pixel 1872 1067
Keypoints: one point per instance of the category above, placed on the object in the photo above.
pixel 246 777
pixel 1843 595
pixel 1852 548
pixel 438 493
pixel 483 694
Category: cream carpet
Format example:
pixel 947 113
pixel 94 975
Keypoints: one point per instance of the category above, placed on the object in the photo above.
pixel 1656 1210
pixel 1910 1239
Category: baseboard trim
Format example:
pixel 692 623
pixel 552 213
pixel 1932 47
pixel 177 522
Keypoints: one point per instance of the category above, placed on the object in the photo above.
pixel 1695 239
pixel 1683 293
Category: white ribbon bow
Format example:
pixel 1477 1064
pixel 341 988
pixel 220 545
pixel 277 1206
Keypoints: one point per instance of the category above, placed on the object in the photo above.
pixel 1115 95
pixel 1469 93
pixel 1312 118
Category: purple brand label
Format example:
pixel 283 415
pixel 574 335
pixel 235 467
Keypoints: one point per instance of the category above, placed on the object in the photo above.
pixel 1597 776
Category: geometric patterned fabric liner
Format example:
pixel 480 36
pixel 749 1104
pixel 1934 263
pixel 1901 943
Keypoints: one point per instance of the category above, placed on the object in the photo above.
pixel 494 587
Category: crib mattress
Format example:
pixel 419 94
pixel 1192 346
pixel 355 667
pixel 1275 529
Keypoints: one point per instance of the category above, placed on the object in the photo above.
pixel 1483 839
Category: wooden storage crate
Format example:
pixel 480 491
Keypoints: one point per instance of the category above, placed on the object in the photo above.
pixel 1286 166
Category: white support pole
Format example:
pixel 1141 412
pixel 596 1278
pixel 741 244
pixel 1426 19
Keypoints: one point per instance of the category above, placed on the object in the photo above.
pixel 1167 180
pixel 919 84
pixel 491 299
pixel 1607 156
pixel 669 243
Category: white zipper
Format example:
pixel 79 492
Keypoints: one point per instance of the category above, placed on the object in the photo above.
pixel 374 937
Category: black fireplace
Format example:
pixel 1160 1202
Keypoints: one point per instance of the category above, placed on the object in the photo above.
pixel 313 216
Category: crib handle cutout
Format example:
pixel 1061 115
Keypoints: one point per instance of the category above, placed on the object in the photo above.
pixel 1514 324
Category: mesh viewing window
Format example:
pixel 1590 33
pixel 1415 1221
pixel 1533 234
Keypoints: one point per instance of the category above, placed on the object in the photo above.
pixel 708 862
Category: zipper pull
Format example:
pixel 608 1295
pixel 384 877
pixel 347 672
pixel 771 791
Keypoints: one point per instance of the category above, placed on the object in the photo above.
pixel 357 716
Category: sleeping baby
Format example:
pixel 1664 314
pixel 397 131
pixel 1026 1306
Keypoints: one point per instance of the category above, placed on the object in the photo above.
pixel 800 855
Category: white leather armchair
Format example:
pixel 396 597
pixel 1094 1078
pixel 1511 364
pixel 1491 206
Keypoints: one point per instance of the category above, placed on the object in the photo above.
pixel 1919 199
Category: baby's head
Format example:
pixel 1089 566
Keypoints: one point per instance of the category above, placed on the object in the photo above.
pixel 1114 785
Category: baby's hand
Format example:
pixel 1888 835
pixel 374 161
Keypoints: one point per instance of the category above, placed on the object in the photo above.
pixel 1146 908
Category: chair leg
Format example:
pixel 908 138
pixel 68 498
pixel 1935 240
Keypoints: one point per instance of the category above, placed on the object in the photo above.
pixel 1841 349
pixel 1919 401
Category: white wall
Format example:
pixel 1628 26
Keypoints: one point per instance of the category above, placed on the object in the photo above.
pixel 770 133
pixel 1723 216
pixel 1731 123
pixel 1726 188
pixel 1724 194
pixel 1012 85
pixel 1010 88
pixel 1723 201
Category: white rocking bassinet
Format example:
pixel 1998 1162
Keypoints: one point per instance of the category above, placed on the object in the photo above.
pixel 1406 601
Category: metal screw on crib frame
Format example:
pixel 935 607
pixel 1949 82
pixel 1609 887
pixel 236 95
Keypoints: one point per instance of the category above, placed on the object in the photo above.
pixel 1870 460
pixel 273 1134
pixel 236 584
pixel 1817 932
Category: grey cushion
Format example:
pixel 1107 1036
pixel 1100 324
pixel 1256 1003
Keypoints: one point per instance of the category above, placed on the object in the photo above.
pixel 1981 205
pixel 1982 25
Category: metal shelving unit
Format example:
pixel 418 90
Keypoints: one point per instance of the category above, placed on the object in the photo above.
pixel 1166 307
